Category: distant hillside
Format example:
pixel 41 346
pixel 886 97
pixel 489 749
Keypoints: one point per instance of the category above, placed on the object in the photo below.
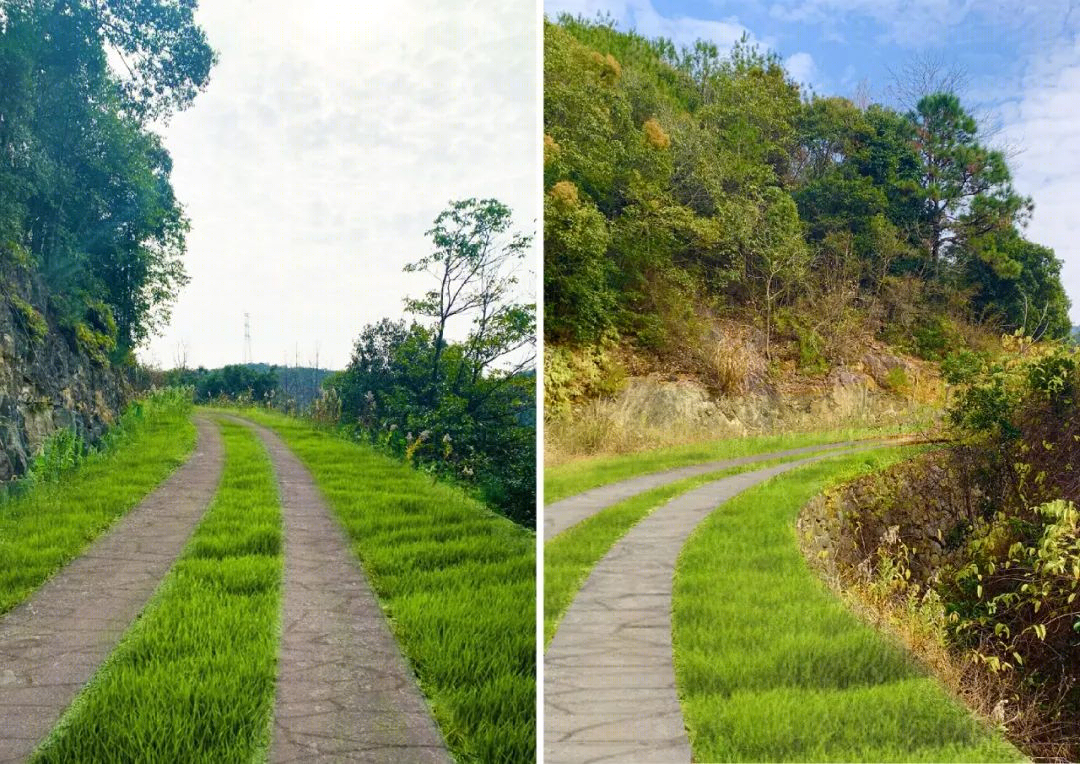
pixel 700 201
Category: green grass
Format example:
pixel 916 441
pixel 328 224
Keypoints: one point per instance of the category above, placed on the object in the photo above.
pixel 193 680
pixel 49 524
pixel 771 666
pixel 571 555
pixel 582 474
pixel 456 580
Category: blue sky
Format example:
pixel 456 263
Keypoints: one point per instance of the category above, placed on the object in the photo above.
pixel 1022 62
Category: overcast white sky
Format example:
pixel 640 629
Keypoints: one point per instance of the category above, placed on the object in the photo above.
pixel 331 135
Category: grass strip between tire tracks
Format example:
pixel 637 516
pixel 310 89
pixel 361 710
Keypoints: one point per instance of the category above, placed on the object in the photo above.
pixel 570 556
pixel 456 580
pixel 50 524
pixel 194 678
pixel 580 475
pixel 771 666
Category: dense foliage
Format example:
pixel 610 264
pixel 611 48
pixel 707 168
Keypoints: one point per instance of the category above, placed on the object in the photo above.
pixel 85 197
pixel 1016 599
pixel 459 408
pixel 236 382
pixel 980 541
pixel 685 183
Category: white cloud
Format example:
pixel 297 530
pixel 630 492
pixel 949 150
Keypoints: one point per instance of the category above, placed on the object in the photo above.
pixel 1042 121
pixel 330 137
pixel 802 68
pixel 641 16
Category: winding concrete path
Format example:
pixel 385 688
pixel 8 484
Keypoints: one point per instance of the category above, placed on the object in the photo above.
pixel 609 676
pixel 52 644
pixel 565 513
pixel 344 691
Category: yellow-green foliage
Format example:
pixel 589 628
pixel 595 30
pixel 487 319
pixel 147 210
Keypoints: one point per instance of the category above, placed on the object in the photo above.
pixel 95 344
pixel 572 375
pixel 35 325
pixel 655 134
pixel 16 254
pixel 897 380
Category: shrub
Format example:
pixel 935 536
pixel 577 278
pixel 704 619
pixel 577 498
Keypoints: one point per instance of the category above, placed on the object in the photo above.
pixel 32 322
pixel 897 380
pixel 97 345
pixel 573 375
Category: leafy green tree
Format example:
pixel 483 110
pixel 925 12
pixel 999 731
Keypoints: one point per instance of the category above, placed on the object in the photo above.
pixel 473 261
pixel 967 187
pixel 86 190
pixel 464 409
pixel 1019 283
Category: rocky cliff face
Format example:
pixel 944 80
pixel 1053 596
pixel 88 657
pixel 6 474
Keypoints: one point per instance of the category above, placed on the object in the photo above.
pixel 46 381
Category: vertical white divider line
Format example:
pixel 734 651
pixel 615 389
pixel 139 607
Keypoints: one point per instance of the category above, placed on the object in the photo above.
pixel 539 190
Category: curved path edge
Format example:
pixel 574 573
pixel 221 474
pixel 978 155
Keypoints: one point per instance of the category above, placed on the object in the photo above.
pixel 54 642
pixel 609 673
pixel 344 690
pixel 566 513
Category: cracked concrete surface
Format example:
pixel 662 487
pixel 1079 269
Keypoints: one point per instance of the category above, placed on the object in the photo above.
pixel 565 513
pixel 344 691
pixel 609 676
pixel 53 643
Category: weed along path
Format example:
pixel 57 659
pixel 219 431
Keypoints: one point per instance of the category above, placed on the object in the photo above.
pixel 52 643
pixel 565 513
pixel 344 691
pixel 609 678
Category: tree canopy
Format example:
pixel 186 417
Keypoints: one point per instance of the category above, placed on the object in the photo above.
pixel 85 193
pixel 688 182
pixel 466 408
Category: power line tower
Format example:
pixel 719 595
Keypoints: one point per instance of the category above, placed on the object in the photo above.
pixel 247 338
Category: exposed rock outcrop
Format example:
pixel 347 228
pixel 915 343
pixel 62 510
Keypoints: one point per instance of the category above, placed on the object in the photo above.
pixel 46 381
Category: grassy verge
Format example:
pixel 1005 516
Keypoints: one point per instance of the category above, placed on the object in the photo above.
pixel 193 679
pixel 771 666
pixel 47 525
pixel 456 580
pixel 581 475
pixel 570 556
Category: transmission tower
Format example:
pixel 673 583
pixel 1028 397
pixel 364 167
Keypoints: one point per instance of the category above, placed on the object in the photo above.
pixel 247 338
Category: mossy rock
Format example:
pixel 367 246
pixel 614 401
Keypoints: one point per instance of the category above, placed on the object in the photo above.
pixel 30 319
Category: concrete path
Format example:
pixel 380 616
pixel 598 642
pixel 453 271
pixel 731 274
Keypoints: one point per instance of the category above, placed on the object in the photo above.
pixel 609 679
pixel 52 644
pixel 562 514
pixel 344 691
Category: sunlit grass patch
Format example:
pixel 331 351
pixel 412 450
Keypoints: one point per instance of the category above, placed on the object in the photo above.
pixel 580 475
pixel 49 524
pixel 194 678
pixel 456 580
pixel 570 556
pixel 771 666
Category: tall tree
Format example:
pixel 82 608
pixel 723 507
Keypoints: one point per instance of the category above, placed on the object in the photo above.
pixel 473 262
pixel 967 187
pixel 87 190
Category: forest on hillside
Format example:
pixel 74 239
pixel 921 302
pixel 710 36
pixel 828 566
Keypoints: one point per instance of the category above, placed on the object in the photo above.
pixel 85 196
pixel 685 186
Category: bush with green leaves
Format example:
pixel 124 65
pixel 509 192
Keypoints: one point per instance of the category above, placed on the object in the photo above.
pixel 465 409
pixel 30 319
